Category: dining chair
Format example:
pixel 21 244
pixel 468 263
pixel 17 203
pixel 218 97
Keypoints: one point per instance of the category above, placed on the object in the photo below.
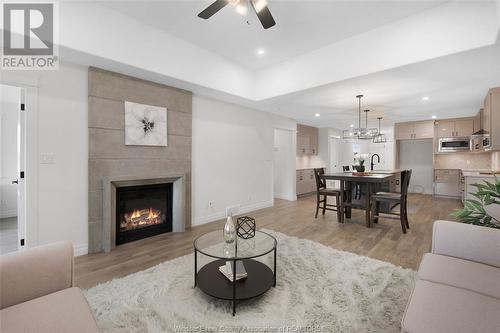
pixel 392 198
pixel 322 194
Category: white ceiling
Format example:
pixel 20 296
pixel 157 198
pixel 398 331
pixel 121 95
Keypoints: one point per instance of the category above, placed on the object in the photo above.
pixel 302 26
pixel 456 86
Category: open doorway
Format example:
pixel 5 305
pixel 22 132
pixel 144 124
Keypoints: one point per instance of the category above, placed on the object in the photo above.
pixel 12 153
pixel 284 183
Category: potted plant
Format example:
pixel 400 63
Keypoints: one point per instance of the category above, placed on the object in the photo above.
pixel 359 161
pixel 484 211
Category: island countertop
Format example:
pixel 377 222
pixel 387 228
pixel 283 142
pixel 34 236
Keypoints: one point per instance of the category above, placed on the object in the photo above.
pixel 368 177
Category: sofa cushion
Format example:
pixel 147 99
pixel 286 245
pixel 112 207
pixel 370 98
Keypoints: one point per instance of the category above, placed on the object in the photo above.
pixel 461 273
pixel 63 311
pixel 438 308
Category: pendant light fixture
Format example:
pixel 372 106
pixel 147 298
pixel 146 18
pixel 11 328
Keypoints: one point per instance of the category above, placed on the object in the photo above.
pixel 367 133
pixel 379 138
pixel 353 133
pixel 363 133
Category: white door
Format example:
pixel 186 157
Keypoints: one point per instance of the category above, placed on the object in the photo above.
pixel 12 225
pixel 284 164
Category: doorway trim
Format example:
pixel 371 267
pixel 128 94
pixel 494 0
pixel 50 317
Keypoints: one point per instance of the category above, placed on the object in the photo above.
pixel 30 209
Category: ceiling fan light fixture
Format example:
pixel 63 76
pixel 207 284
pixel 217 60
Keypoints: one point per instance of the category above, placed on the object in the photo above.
pixel 242 8
pixel 259 5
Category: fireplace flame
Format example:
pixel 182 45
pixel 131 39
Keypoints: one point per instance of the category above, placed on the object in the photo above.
pixel 140 218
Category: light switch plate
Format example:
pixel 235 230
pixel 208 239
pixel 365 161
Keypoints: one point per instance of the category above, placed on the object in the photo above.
pixel 47 158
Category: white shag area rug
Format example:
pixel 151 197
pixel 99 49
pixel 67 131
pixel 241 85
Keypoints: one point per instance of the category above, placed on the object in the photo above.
pixel 319 289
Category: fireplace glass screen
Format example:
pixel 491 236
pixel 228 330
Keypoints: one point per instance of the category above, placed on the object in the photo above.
pixel 143 211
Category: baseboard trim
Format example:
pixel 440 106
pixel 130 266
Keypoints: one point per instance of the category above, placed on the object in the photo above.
pixel 8 213
pixel 285 197
pixel 243 210
pixel 80 249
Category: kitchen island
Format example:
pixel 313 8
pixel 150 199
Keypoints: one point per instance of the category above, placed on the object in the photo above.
pixel 366 184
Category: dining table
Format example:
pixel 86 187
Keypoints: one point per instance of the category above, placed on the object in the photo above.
pixel 369 182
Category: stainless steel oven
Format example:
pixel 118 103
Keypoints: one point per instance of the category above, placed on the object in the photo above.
pixel 450 145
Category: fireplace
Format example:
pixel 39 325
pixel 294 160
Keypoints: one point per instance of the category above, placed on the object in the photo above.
pixel 143 211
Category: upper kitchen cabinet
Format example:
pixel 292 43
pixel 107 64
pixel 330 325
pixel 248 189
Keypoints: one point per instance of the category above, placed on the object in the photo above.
pixel 307 140
pixel 449 128
pixel 414 130
pixel 491 117
pixel 464 127
pixel 478 121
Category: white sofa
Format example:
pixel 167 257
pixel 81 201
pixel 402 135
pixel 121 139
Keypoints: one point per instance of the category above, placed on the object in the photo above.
pixel 458 285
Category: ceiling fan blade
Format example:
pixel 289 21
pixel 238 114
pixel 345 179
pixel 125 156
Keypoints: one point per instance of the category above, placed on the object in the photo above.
pixel 264 14
pixel 212 9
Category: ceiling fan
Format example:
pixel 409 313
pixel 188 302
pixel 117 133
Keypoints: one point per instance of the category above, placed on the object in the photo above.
pixel 259 6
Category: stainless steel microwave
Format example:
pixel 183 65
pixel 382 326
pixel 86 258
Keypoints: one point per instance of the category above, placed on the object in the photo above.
pixel 450 145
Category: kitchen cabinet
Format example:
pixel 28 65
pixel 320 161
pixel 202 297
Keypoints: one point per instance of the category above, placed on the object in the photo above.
pixel 470 181
pixel 423 129
pixel 464 127
pixel 491 117
pixel 449 128
pixel 414 130
pixel 447 182
pixel 307 140
pixel 445 128
pixel 478 121
pixel 306 183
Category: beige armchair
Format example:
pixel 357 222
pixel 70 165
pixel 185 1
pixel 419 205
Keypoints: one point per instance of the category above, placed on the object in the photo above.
pixel 458 284
pixel 37 293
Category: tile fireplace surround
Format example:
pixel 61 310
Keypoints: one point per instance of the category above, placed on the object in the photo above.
pixel 113 164
pixel 110 184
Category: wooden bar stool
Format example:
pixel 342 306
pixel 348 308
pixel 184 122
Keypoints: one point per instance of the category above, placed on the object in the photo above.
pixel 393 198
pixel 322 194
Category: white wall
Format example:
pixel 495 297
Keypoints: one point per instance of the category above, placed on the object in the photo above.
pixel 10 99
pixel 62 135
pixel 232 158
pixel 284 156
pixel 232 155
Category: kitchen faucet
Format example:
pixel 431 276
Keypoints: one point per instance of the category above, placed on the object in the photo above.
pixel 372 164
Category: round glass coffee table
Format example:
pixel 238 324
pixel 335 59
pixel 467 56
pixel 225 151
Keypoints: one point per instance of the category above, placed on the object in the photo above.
pixel 260 278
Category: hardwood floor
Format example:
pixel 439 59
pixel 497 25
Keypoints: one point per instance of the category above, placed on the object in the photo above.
pixel 384 241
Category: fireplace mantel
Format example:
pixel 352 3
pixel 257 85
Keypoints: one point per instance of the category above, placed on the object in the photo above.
pixel 109 156
pixel 109 202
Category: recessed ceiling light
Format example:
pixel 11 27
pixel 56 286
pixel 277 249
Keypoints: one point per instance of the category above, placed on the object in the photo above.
pixel 425 98
pixel 433 117
pixel 352 125
pixel 261 52
pixel 317 115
